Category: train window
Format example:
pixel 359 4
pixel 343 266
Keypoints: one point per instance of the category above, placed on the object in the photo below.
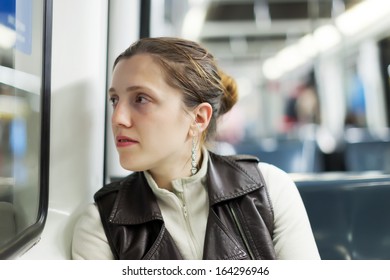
pixel 25 37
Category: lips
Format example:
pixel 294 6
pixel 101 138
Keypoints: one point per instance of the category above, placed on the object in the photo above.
pixel 124 141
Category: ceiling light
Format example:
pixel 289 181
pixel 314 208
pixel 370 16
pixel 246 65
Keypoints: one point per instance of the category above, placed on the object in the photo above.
pixel 326 37
pixel 361 16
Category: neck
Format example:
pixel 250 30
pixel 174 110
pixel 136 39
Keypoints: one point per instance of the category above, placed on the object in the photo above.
pixel 163 176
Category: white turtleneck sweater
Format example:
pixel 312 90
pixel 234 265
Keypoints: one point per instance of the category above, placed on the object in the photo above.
pixel 185 210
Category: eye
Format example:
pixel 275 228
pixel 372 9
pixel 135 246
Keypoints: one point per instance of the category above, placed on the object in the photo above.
pixel 113 100
pixel 141 99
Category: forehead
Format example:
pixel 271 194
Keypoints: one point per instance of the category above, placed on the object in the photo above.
pixel 138 64
pixel 141 71
pixel 138 70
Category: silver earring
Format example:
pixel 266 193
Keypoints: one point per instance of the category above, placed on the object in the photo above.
pixel 194 169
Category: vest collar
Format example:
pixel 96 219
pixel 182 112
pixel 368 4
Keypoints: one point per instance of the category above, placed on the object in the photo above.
pixel 222 171
pixel 136 203
pixel 130 205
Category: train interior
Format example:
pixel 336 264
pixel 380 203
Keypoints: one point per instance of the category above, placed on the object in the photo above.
pixel 314 85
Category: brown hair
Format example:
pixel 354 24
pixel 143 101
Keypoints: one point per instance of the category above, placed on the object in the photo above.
pixel 192 69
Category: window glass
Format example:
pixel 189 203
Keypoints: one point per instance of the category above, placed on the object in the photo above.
pixel 23 148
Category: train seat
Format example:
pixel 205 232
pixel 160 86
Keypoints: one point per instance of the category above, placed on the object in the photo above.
pixel 7 221
pixel 371 222
pixel 329 217
pixel 371 155
pixel 349 215
pixel 6 192
pixel 290 155
pixel 7 212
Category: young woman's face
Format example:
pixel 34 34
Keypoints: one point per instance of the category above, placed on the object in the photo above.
pixel 150 126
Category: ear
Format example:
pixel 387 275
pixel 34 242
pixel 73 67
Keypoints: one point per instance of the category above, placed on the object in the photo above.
pixel 203 113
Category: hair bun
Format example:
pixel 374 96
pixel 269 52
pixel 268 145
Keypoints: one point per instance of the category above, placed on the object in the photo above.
pixel 230 92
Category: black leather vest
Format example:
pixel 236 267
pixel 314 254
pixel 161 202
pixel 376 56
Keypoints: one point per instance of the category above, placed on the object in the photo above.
pixel 239 226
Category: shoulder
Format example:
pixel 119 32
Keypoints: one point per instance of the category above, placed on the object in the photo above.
pixel 279 183
pixel 276 179
pixel 89 239
pixel 270 171
pixel 293 237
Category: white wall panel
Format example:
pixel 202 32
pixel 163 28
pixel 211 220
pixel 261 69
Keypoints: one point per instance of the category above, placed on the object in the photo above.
pixel 77 119
pixel 123 30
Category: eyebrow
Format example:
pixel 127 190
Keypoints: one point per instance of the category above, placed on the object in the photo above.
pixel 128 89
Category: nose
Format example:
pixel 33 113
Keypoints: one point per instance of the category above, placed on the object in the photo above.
pixel 121 115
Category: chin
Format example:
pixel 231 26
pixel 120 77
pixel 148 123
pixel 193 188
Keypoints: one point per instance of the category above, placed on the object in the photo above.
pixel 131 166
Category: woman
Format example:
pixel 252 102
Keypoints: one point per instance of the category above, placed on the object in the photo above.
pixel 182 201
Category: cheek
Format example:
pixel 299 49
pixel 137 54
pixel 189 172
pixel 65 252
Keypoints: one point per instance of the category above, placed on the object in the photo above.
pixel 170 130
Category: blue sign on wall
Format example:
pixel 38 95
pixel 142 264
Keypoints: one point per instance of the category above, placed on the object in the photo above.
pixel 7 13
pixel 17 16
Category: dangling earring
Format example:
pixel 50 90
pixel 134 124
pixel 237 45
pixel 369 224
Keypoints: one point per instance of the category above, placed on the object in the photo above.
pixel 194 168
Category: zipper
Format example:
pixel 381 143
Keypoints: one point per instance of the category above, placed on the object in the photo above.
pixel 241 230
pixel 188 224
